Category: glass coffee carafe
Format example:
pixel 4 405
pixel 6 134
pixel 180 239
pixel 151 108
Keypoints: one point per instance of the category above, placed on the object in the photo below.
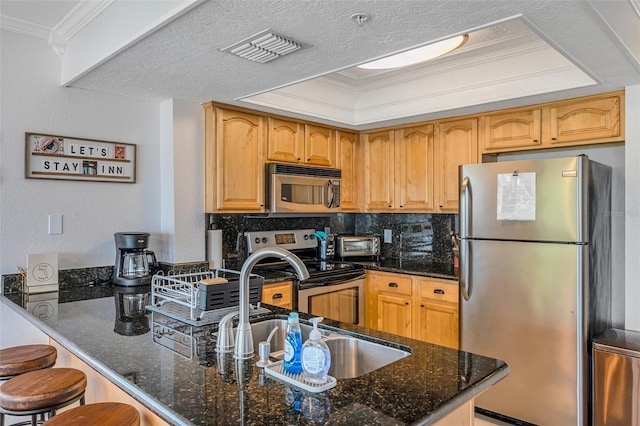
pixel 135 264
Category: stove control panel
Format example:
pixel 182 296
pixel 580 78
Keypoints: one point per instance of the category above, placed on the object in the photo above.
pixel 295 239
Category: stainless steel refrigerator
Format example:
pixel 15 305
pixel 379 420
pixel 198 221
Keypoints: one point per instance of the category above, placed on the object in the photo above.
pixel 535 280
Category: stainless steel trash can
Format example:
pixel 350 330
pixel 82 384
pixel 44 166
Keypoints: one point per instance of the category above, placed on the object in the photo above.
pixel 616 378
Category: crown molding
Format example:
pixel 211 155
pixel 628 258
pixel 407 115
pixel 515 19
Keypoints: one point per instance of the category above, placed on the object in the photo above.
pixel 79 17
pixel 19 26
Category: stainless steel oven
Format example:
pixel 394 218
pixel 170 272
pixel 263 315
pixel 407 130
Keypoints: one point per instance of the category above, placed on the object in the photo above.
pixel 340 299
pixel 334 290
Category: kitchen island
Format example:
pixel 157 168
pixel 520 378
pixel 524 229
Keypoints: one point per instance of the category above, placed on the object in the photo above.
pixel 177 375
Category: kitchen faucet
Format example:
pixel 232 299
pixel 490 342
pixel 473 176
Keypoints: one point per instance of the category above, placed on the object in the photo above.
pixel 244 340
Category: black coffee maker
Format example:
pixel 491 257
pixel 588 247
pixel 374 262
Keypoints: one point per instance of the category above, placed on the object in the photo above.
pixel 135 265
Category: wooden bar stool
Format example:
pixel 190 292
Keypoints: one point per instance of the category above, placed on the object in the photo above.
pixel 18 360
pixel 41 392
pixel 97 414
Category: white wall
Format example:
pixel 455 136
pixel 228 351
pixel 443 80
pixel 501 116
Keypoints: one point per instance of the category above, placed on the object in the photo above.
pixel 182 165
pixel 632 212
pixel 33 101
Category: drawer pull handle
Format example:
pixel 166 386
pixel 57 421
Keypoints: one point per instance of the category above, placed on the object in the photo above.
pixel 438 291
pixel 393 285
pixel 277 296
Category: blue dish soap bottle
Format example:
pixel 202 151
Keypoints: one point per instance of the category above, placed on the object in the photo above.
pixel 316 358
pixel 293 345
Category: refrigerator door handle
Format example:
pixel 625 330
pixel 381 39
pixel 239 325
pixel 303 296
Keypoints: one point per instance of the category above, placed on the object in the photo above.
pixel 465 210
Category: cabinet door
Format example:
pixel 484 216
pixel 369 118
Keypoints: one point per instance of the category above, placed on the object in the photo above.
pixel 394 314
pixel 437 323
pixel 320 146
pixel 278 294
pixel 586 121
pixel 511 130
pixel 457 144
pixel 414 168
pixel 240 138
pixel 286 141
pixel 378 174
pixel 347 163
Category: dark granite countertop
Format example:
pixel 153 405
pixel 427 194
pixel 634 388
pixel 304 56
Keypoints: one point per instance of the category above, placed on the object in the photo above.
pixel 413 267
pixel 418 389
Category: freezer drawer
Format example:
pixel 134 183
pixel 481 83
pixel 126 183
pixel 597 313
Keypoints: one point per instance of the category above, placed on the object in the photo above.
pixel 616 378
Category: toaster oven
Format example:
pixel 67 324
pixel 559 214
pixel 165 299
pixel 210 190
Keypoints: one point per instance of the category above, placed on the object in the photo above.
pixel 357 246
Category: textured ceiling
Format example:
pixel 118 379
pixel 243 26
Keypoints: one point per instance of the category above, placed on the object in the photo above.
pixel 183 59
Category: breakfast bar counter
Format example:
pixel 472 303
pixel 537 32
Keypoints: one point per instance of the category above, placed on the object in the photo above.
pixel 171 368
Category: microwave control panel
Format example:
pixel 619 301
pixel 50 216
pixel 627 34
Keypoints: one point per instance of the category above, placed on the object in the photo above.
pixel 291 239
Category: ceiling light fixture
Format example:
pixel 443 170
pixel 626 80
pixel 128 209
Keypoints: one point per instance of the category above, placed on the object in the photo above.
pixel 415 56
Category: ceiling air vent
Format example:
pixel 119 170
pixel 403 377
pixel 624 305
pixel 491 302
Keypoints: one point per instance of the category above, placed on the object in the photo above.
pixel 263 47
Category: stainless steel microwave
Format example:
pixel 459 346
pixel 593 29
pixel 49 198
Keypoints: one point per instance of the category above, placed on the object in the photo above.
pixel 302 189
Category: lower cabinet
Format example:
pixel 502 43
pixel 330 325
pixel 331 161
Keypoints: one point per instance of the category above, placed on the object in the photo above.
pixel 394 314
pixel 278 294
pixel 413 306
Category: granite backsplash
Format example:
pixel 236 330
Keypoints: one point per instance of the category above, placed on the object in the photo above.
pixel 416 236
pixel 424 237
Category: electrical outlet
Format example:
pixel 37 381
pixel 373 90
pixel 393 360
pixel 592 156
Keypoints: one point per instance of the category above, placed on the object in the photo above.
pixel 387 236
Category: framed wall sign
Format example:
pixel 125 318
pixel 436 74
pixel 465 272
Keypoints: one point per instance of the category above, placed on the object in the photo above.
pixel 67 158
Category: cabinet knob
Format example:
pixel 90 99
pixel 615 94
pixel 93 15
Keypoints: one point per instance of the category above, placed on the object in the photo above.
pixel 553 139
pixel 277 296
pixel 438 291
pixel 406 303
pixel 401 206
pixel 535 141
pixel 393 285
pixel 422 306
pixel 390 206
pixel 309 160
pixel 298 158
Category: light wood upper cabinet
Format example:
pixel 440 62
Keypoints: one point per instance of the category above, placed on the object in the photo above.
pixel 457 145
pixel 286 141
pixel 347 162
pixel 516 129
pixel 399 168
pixel 320 146
pixel 230 136
pixel 297 142
pixel 584 121
pixel 414 168
pixel 379 185
pixel 581 121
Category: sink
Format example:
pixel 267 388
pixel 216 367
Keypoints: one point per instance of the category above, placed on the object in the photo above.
pixel 351 356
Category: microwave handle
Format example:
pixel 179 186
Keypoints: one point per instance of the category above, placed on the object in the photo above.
pixel 331 193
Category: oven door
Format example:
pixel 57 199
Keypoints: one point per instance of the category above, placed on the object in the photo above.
pixel 343 301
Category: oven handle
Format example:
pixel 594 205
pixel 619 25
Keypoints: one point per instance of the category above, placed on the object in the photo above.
pixel 329 282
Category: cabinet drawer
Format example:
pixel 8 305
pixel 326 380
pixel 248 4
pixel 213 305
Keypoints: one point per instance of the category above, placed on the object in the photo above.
pixel 439 290
pixel 278 294
pixel 398 284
